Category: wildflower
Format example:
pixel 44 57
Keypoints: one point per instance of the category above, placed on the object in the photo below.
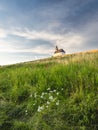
pixel 40 108
pixel 54 90
pixel 62 89
pixel 31 95
pixel 48 88
pixel 57 103
pixel 48 102
pixel 51 97
pixel 43 94
pixel 26 112
pixel 57 93
pixel 53 100
pixel 46 106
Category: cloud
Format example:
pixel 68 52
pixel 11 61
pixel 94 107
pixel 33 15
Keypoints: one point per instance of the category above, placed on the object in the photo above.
pixel 59 39
pixel 90 34
pixel 3 33
pixel 39 42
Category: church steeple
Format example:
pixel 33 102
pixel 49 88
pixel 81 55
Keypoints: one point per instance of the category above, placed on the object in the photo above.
pixel 56 48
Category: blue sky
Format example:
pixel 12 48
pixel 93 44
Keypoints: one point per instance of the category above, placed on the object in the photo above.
pixel 30 29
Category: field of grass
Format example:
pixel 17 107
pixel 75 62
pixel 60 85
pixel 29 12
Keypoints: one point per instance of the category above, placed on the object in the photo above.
pixel 50 94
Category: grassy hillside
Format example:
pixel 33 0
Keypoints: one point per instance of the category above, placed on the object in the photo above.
pixel 50 94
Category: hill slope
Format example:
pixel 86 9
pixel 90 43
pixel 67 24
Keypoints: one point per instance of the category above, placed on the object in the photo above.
pixel 51 94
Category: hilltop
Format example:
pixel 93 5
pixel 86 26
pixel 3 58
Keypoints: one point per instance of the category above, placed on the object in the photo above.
pixel 55 59
pixel 50 94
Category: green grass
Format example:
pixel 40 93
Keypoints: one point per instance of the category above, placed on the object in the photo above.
pixel 50 94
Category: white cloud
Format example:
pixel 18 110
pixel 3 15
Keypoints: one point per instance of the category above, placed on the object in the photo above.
pixel 3 33
pixel 5 46
pixel 42 50
pixel 66 40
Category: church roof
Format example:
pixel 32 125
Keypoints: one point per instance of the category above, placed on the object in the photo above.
pixel 59 50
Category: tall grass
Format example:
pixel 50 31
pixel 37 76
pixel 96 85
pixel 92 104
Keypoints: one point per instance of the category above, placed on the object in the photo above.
pixel 53 94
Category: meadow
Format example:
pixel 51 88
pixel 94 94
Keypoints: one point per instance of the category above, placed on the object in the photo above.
pixel 51 94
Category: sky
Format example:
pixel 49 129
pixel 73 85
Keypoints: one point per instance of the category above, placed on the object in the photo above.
pixel 30 29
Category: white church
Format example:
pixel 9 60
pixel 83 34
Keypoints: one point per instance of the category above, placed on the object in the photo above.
pixel 58 52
